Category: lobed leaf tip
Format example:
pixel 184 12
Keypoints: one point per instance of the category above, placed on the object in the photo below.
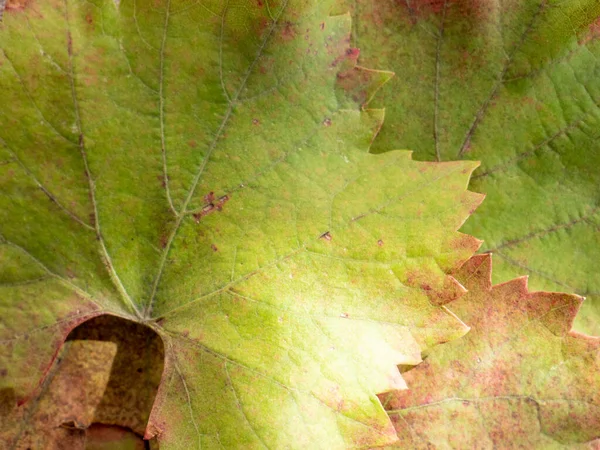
pixel 356 85
pixel 476 272
pixel 516 286
pixel 556 310
pixel 462 330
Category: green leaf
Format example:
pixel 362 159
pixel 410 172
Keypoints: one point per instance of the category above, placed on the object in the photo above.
pixel 202 168
pixel 519 378
pixel 516 85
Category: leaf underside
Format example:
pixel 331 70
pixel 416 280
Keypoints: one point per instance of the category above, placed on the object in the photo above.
pixel 516 85
pixel 98 394
pixel 204 169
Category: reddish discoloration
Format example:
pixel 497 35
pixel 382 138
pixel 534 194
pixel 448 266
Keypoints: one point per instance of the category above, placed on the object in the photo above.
pixel 16 5
pixel 214 248
pixel 212 206
pixel 352 53
pixel 593 33
pixel 59 337
pixel 288 33
pixel 327 122
pixel 354 82
pixel 518 354
pixel 450 291
pixel 350 57
pixel 221 202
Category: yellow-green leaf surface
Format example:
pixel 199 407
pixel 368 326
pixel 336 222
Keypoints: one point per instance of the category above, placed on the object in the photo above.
pixel 514 84
pixel 204 168
pixel 519 379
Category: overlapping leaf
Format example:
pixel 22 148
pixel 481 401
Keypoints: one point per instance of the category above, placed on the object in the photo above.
pixel 98 394
pixel 516 85
pixel 519 379
pixel 203 168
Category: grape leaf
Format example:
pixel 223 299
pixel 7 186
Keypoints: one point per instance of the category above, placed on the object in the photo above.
pixel 203 168
pixel 519 379
pixel 516 85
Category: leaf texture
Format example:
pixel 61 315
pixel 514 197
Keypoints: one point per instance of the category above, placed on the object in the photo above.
pixel 203 168
pixel 519 379
pixel 515 85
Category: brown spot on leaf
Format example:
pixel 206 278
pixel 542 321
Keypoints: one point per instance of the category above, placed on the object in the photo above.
pixel 163 240
pixel 214 248
pixel 350 56
pixel 210 197
pixel 221 202
pixel 380 243
pixel 352 53
pixel 354 82
pixel 213 205
pixel 289 31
